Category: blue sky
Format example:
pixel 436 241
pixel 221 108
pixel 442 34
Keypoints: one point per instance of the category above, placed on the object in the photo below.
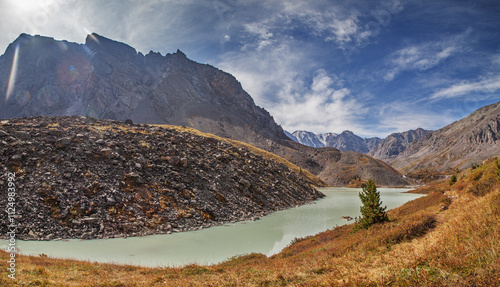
pixel 373 67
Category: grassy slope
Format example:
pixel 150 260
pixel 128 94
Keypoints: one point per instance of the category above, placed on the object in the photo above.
pixel 451 237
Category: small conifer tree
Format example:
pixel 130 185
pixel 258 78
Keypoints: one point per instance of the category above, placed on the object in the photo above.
pixel 453 180
pixel 372 211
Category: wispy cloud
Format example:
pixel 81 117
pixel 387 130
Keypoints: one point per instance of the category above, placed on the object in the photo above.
pixel 425 56
pixel 347 26
pixel 401 116
pixel 467 88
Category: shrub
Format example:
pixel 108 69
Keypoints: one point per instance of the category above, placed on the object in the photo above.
pixel 453 179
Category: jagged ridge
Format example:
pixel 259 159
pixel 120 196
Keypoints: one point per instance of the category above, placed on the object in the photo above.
pixel 459 145
pixel 345 141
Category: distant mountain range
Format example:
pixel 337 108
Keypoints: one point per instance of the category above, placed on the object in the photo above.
pixel 461 144
pixel 346 141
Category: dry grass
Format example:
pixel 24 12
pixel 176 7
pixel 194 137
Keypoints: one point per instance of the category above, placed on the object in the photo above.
pixel 451 237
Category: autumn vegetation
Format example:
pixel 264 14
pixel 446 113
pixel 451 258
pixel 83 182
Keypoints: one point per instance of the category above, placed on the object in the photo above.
pixel 450 237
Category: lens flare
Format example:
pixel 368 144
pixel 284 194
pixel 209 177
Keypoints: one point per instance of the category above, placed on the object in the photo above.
pixel 13 74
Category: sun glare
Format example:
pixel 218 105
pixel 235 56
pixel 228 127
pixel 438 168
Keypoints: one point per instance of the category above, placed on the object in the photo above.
pixel 28 5
pixel 13 74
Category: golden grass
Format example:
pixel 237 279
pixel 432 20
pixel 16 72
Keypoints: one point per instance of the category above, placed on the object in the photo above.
pixel 451 237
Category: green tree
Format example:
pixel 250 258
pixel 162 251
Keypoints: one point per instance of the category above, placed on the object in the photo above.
pixel 372 211
pixel 453 179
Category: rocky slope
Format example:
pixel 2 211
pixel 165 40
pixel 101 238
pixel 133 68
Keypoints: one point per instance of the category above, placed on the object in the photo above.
pixel 351 168
pixel 338 168
pixel 107 79
pixel 396 143
pixel 346 141
pixel 459 145
pixel 78 177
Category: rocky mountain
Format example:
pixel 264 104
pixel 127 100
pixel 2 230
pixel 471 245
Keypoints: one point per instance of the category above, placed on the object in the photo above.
pixel 107 79
pixel 310 138
pixel 396 143
pixel 459 145
pixel 111 80
pixel 78 177
pixel 346 141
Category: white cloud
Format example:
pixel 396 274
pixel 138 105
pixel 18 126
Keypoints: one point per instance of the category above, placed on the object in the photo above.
pixel 329 22
pixel 320 107
pixel 496 59
pixel 424 56
pixel 466 88
pixel 277 78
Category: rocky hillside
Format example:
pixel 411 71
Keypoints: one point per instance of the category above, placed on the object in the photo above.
pixel 459 145
pixel 78 177
pixel 111 80
pixel 396 143
pixel 351 168
pixel 346 141
pixel 338 168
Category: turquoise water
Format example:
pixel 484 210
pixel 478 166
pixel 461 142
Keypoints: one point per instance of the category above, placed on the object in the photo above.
pixel 269 235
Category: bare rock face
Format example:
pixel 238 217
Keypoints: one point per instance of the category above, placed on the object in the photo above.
pixel 396 143
pixel 107 79
pixel 78 177
pixel 459 145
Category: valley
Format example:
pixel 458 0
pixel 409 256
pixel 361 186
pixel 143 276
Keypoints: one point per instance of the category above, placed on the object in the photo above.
pixel 448 237
pixel 106 144
pixel 267 235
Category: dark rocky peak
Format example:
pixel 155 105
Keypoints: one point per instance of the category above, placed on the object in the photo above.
pixel 180 54
pixel 28 43
pixel 153 54
pixel 98 43
pixel 372 142
pixel 396 143
pixel 347 132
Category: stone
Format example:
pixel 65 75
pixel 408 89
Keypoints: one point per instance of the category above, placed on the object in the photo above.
pixel 3 134
pixel 17 158
pixel 183 162
pixel 245 183
pixel 173 160
pixel 105 152
pixel 64 142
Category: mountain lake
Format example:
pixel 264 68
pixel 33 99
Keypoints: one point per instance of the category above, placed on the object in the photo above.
pixel 269 235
